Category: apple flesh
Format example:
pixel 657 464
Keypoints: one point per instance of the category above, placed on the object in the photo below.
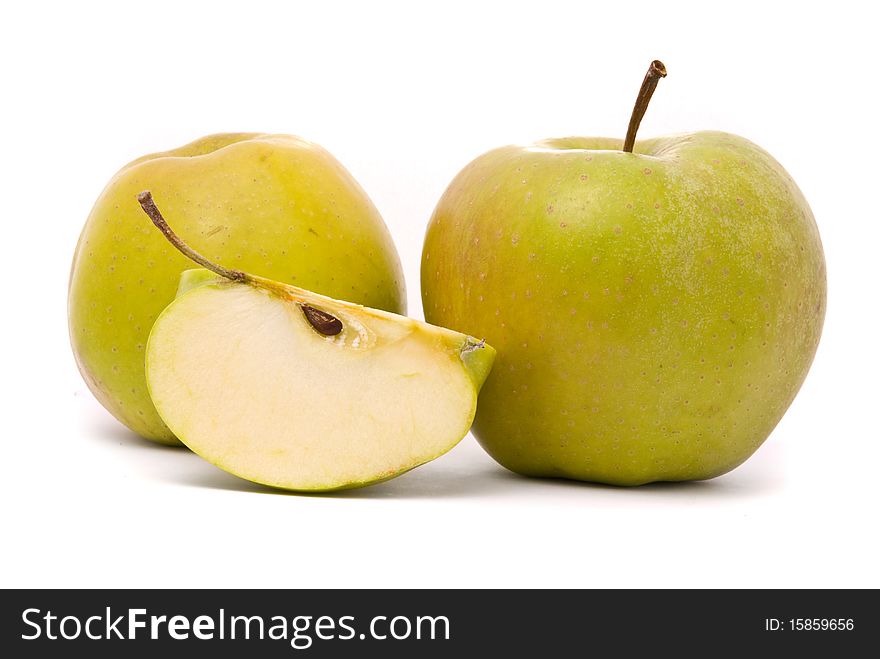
pixel 275 205
pixel 246 377
pixel 654 312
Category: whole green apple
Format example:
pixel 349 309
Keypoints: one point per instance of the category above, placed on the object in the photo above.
pixel 654 312
pixel 275 205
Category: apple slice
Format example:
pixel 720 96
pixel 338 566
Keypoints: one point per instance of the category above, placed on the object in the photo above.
pixel 292 389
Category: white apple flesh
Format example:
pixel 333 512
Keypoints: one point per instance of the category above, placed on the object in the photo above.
pixel 295 390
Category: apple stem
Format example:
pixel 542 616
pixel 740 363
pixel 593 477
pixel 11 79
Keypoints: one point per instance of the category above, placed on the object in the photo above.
pixel 655 71
pixel 145 199
pixel 324 323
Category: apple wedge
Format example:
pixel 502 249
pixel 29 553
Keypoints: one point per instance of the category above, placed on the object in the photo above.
pixel 292 389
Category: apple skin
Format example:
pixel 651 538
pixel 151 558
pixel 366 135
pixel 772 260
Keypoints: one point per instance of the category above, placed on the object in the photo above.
pixel 654 312
pixel 275 205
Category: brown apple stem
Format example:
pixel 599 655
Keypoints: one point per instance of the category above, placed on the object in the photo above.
pixel 655 71
pixel 324 323
pixel 146 201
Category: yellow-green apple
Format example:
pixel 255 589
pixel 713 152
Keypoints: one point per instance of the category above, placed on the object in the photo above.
pixel 276 205
pixel 285 387
pixel 655 306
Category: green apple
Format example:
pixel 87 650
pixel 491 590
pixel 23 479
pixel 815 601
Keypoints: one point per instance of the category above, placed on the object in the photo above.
pixel 276 205
pixel 288 388
pixel 655 310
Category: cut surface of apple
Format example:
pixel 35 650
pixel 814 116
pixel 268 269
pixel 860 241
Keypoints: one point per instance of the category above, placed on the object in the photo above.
pixel 289 388
pixel 243 378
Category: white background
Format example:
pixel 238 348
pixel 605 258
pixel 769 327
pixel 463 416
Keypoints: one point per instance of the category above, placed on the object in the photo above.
pixel 405 95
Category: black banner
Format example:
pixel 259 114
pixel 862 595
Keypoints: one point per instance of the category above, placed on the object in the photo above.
pixel 406 623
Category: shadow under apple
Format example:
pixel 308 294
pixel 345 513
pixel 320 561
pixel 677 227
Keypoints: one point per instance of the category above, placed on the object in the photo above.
pixel 490 480
pixel 465 472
